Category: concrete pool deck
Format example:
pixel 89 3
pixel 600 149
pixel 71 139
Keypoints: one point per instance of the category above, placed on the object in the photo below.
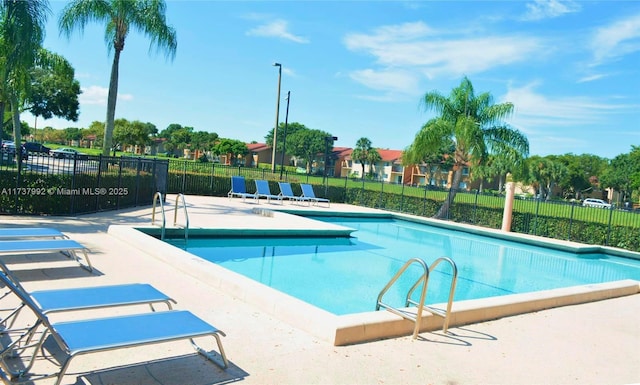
pixel 593 343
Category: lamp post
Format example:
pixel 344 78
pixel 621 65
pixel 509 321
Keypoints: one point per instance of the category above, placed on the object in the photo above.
pixel 275 128
pixel 284 137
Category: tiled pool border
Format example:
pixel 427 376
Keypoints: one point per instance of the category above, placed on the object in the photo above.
pixel 368 326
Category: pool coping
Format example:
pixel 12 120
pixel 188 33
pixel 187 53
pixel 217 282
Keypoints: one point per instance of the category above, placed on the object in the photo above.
pixel 367 326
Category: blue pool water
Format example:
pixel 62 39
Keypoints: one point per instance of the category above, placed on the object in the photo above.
pixel 345 275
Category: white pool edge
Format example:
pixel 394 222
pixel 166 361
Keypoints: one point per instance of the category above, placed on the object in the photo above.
pixel 361 327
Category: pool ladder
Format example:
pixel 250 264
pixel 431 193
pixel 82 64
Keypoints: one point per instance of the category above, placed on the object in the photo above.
pixel 179 199
pixel 422 281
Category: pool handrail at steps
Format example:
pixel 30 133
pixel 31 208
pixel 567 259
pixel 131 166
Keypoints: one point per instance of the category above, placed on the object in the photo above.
pixel 435 311
pixel 158 198
pixel 420 306
pixel 186 215
pixel 424 279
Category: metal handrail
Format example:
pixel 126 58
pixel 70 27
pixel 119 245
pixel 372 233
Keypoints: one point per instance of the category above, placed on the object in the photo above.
pixel 186 216
pixel 424 278
pixel 446 314
pixel 158 197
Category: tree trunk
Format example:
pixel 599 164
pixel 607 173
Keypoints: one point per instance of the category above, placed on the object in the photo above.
pixel 15 114
pixel 362 176
pixel 2 108
pixel 443 212
pixel 111 104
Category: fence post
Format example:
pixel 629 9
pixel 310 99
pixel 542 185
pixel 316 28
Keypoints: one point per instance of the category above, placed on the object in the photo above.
pixel 381 194
pixel 402 198
pixel 73 183
pixel 424 201
pixel 475 207
pixel 98 183
pixel 138 168
pixel 573 206
pixel 535 220
pixel 184 176
pixel 609 227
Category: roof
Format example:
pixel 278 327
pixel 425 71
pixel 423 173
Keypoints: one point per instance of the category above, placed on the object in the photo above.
pixel 390 155
pixel 258 147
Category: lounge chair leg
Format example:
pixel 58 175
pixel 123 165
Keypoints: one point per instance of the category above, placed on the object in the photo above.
pixel 212 357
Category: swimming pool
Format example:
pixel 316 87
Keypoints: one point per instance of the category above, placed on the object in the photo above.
pixel 345 275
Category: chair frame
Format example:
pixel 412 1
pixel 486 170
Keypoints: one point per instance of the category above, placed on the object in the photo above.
pixel 86 336
pixel 263 191
pixel 68 247
pixel 239 189
pixel 307 192
pixel 30 232
pixel 286 192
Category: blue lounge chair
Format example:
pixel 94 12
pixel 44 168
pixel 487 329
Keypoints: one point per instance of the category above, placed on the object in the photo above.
pixel 307 192
pixel 286 192
pixel 263 191
pixel 78 337
pixel 67 246
pixel 85 298
pixel 239 189
pixel 30 232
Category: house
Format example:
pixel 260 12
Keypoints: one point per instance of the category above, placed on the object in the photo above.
pixel 388 169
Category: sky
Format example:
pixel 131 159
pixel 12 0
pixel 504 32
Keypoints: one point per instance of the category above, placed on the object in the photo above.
pixel 360 68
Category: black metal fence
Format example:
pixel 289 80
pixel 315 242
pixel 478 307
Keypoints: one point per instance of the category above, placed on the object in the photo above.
pixel 616 227
pixel 77 184
pixel 69 186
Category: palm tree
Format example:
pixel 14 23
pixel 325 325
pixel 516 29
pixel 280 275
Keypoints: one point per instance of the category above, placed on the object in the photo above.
pixel 475 126
pixel 22 26
pixel 364 153
pixel 120 16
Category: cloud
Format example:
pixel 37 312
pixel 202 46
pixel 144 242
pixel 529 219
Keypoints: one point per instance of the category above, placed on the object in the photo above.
pixel 393 81
pixel 591 78
pixel 277 28
pixel 415 47
pixel 616 40
pixel 546 9
pixel 534 110
pixel 96 95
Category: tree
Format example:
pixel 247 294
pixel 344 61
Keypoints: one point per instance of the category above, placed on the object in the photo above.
pixel 22 26
pixel 475 126
pixel 54 90
pixel 178 137
pixel 583 172
pixel 203 140
pixel 232 148
pixel 307 144
pixel 544 173
pixel 120 17
pixel 134 133
pixel 623 174
pixel 363 154
pixel 72 133
pixel 292 128
pixel 373 157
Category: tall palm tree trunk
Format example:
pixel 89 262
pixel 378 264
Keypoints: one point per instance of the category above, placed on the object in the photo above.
pixel 111 104
pixel 443 212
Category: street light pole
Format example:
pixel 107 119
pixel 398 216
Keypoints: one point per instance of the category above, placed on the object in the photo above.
pixel 284 137
pixel 275 128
